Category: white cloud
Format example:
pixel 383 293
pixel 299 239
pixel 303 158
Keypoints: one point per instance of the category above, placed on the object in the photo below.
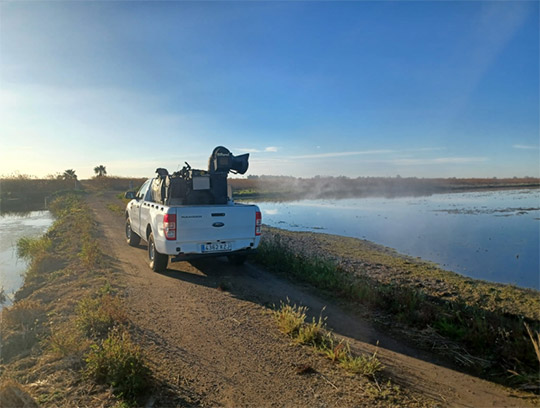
pixel 247 150
pixel 438 160
pixel 525 147
pixel 364 152
pixel 341 154
pixel 269 149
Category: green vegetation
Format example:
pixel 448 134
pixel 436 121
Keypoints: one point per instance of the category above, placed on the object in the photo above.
pixel 118 362
pixel 91 254
pixel 291 321
pixel 67 320
pixel 29 248
pixel 69 175
pixel 115 208
pixel 112 183
pixel 480 334
pixel 99 314
pixel 66 341
pixel 22 192
pixel 100 170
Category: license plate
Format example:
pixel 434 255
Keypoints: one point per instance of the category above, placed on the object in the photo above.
pixel 216 247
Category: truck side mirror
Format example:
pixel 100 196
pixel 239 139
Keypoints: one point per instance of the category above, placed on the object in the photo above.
pixel 130 195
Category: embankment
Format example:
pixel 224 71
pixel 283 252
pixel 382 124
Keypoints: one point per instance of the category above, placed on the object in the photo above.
pixel 481 326
pixel 66 337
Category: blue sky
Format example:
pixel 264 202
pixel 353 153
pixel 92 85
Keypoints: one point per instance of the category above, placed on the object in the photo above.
pixel 426 89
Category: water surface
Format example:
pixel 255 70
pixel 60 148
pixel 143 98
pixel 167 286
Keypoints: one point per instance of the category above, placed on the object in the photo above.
pixel 484 235
pixel 12 227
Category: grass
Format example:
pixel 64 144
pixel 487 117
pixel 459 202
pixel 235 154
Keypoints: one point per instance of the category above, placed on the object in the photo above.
pixel 67 341
pixel 88 338
pixel 291 320
pixel 119 363
pixel 22 315
pixel 113 183
pixel 21 191
pixel 96 315
pixel 535 341
pixel 115 208
pixel 28 248
pixel 487 342
pixel 364 365
pixel 91 254
pixel 20 328
pixel 14 394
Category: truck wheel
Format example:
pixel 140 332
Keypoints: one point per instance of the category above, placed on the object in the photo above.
pixel 131 238
pixel 158 262
pixel 237 259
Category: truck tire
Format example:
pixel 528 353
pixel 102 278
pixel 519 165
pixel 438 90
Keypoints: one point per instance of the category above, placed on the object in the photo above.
pixel 131 238
pixel 158 262
pixel 237 259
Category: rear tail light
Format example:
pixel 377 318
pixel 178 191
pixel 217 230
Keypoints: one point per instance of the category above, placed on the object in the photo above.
pixel 169 226
pixel 258 223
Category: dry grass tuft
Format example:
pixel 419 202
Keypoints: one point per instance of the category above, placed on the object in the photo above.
pixel 67 341
pixel 535 341
pixel 291 321
pixel 290 318
pixel 21 315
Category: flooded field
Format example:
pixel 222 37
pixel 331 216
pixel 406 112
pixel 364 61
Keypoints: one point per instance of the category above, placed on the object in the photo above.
pixel 12 227
pixel 492 235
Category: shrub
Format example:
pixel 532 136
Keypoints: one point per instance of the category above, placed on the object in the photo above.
pixel 96 316
pixel 118 362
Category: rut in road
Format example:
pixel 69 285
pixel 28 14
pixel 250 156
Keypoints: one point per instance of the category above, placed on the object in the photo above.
pixel 215 347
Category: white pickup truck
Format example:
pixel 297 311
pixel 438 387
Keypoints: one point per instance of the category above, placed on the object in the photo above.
pixel 181 228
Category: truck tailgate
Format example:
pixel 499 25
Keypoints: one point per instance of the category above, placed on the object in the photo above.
pixel 215 223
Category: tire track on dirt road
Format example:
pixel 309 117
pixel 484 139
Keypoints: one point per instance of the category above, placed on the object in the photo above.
pixel 216 347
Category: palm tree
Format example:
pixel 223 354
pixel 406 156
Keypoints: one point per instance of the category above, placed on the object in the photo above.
pixel 100 170
pixel 69 175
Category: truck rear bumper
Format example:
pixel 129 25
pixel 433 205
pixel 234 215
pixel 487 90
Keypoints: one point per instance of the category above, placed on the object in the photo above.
pixel 188 257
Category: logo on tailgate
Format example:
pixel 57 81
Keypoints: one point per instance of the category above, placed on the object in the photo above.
pixel 217 224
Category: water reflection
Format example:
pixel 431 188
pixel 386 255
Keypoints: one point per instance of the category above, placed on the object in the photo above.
pixel 12 227
pixel 485 235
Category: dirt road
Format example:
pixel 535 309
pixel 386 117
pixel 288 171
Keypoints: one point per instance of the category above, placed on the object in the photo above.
pixel 211 340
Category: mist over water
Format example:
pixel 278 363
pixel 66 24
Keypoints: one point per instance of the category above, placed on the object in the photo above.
pixel 492 235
